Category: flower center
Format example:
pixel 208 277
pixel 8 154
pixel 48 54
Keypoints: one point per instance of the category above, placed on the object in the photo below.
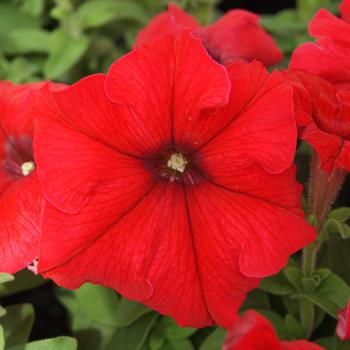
pixel 27 168
pixel 18 158
pixel 177 162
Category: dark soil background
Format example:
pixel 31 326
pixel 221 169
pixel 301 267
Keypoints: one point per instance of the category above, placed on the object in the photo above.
pixel 51 318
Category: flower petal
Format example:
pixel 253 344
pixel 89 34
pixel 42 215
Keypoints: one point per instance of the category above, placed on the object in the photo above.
pixel 326 59
pixel 251 128
pixel 167 83
pixel 302 99
pixel 172 21
pixel 343 159
pixel 85 154
pixel 249 226
pixel 345 10
pixel 325 23
pixel 253 331
pixel 300 345
pixel 281 189
pixel 238 36
pixel 343 325
pixel 144 250
pixel 327 146
pixel 20 218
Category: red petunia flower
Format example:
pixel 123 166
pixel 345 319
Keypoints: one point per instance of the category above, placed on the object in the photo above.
pixel 179 193
pixel 254 332
pixel 343 325
pixel 21 199
pixel 237 36
pixel 323 116
pixel 329 58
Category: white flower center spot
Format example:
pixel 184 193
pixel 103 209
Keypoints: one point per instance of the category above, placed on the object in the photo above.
pixel 177 162
pixel 27 168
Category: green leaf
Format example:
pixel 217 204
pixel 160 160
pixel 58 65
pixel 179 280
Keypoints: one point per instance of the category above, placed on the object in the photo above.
pixel 17 324
pixel 292 305
pixel 333 343
pixel 24 280
pixel 293 328
pixel 104 307
pixel 96 13
pixel 91 335
pixel 341 214
pixel 134 336
pixel 295 276
pixel 307 8
pixel 6 277
pixel 284 22
pixel 59 343
pixel 33 7
pixel 332 293
pixel 128 312
pixel 156 341
pixel 178 345
pixel 215 340
pixel 64 52
pixel 338 256
pixel 172 331
pixel 335 226
pixel 2 338
pixel 319 317
pixel 13 18
pixel 21 41
pixel 20 70
pixel 277 284
pixel 255 299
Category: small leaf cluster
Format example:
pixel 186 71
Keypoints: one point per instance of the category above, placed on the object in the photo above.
pixel 64 40
pixel 16 323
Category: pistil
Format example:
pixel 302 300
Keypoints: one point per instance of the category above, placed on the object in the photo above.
pixel 27 168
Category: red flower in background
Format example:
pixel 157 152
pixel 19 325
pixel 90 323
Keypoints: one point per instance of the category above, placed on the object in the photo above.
pixel 254 332
pixel 237 36
pixel 323 115
pixel 20 194
pixel 330 56
pixel 343 325
pixel 180 193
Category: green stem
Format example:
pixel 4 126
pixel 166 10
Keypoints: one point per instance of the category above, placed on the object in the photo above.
pixel 307 310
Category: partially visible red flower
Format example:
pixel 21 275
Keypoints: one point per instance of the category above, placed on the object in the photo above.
pixel 345 10
pixel 343 325
pixel 330 56
pixel 237 36
pixel 323 117
pixel 21 199
pixel 254 332
pixel 177 190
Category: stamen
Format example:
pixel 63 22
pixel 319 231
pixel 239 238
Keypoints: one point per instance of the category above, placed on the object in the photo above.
pixel 177 162
pixel 27 168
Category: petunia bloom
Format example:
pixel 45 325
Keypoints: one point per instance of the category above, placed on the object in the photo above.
pixel 21 199
pixel 174 189
pixel 329 58
pixel 255 332
pixel 343 325
pixel 323 118
pixel 237 36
